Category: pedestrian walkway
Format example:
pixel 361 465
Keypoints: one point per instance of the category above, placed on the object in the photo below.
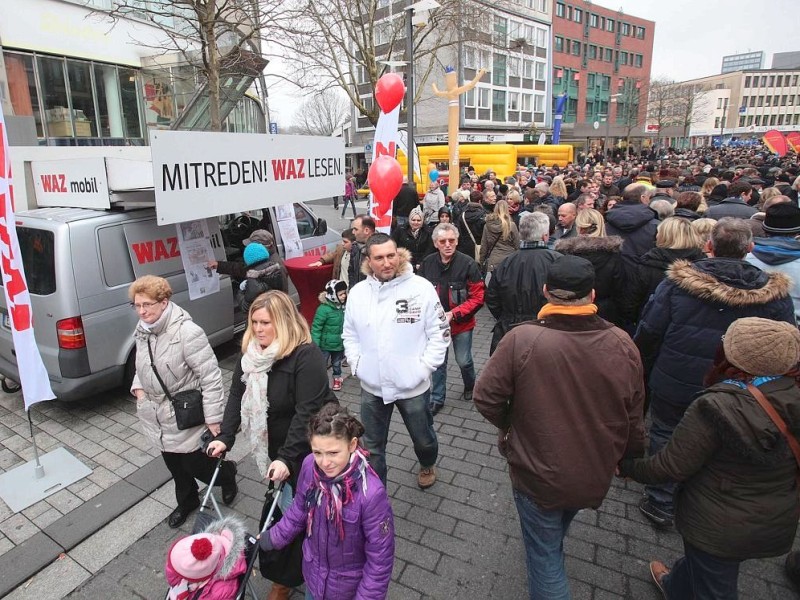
pixel 458 539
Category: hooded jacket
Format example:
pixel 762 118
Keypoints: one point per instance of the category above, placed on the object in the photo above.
pixel 475 217
pixel 326 330
pixel 395 332
pixel 185 361
pixel 566 393
pixel 779 255
pixel 225 580
pixel 682 324
pixel 647 271
pixel 358 566
pixel 636 224
pixel 609 276
pixel 739 497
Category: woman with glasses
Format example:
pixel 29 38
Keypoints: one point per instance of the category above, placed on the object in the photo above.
pixel 279 382
pixel 167 337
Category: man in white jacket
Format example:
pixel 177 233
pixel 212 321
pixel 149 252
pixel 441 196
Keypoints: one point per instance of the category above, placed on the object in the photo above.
pixel 395 335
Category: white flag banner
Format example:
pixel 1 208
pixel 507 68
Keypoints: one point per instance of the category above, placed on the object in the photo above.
pixel 32 373
pixel 385 144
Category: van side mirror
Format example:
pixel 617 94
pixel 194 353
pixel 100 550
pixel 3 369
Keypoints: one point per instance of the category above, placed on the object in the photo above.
pixel 321 228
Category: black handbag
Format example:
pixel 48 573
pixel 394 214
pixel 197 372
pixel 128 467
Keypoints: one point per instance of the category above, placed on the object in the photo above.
pixel 280 566
pixel 188 404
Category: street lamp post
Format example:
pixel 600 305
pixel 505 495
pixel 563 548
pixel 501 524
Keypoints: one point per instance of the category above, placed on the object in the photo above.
pixel 421 5
pixel 611 99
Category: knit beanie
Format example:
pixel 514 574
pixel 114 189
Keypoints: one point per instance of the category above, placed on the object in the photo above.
pixel 762 347
pixel 255 253
pixel 198 557
pixel 416 211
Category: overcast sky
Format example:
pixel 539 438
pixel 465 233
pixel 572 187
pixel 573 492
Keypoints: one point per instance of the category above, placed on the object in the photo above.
pixel 692 36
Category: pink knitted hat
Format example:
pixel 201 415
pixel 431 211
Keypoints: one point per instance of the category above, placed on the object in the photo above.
pixel 197 557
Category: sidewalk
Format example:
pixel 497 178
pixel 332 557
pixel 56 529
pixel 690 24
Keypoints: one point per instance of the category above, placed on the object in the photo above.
pixel 459 539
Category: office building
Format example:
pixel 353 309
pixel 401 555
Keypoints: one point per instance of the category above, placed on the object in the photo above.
pixel 742 62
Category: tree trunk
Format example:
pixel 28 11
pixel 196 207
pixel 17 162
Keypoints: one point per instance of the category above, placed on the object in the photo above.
pixel 213 74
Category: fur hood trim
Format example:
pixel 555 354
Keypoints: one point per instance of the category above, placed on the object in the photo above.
pixel 238 531
pixel 405 262
pixel 586 245
pixel 707 287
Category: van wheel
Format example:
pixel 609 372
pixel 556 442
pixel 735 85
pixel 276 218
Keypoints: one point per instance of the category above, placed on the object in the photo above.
pixel 9 386
pixel 130 371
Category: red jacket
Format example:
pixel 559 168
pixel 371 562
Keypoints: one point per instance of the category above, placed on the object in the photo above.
pixel 459 285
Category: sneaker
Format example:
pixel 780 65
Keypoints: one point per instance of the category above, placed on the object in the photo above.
pixel 657 516
pixel 426 477
pixel 337 384
pixel 657 571
pixel 345 363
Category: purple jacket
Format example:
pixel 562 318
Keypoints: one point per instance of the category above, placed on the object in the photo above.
pixel 359 567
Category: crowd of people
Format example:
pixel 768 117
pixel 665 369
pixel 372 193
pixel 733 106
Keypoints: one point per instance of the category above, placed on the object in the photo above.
pixel 645 327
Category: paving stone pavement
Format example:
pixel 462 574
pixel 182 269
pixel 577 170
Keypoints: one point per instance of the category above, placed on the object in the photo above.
pixel 458 539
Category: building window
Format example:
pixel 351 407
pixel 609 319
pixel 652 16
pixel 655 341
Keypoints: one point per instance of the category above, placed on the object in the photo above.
pixel 749 120
pixel 626 29
pixel 499 70
pixel 605 83
pixel 758 120
pixel 609 54
pixel 593 20
pixel 784 99
pixel 779 82
pixel 763 81
pixel 541 38
pixel 623 58
pixel 752 101
pixel 609 24
pixel 772 81
pixel 775 100
pixel 469 98
pixel 592 52
pixel 794 80
pixel 513 67
pixel 761 101
pixel 498 105
pixel 773 119
pixel 513 101
pixel 576 48
pixel 559 10
pixel 527 69
pixel 469 59
pixel 716 122
pixel 747 81
pixel 741 121
pixel 780 120
pixel 22 88
pixel 768 101
pixel 559 43
pixel 577 15
pixel 640 33
pixel 638 61
pixel 515 31
pixel 500 29
pixel 527 100
pixel 590 80
pixel 483 97
pixel 540 70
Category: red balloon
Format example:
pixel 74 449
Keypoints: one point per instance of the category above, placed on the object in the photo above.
pixel 390 91
pixel 385 179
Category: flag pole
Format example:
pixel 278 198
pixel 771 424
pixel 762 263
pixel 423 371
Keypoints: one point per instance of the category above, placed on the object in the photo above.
pixel 38 469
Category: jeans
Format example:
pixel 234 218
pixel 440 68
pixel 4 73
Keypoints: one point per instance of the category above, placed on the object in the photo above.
pixel 352 202
pixel 666 417
pixel 462 348
pixel 416 414
pixel 702 576
pixel 543 534
pixel 336 360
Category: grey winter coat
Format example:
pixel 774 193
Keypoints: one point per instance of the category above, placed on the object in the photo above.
pixel 185 361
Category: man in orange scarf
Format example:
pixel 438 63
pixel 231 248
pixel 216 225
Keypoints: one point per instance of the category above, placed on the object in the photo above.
pixel 566 393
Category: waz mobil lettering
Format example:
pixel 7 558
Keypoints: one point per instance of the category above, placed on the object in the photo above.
pixel 57 183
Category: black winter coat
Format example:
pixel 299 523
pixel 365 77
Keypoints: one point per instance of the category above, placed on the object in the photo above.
pixel 682 325
pixel 420 246
pixel 297 388
pixel 514 293
pixel 646 272
pixel 475 215
pixel 739 498
pixel 636 224
pixel 609 273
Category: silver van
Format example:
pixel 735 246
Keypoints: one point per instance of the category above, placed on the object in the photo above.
pixel 79 264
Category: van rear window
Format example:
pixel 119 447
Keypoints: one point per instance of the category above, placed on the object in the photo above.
pixel 38 259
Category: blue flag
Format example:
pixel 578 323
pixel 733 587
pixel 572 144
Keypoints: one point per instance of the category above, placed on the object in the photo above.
pixel 557 118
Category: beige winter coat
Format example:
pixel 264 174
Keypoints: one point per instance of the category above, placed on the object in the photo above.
pixel 185 361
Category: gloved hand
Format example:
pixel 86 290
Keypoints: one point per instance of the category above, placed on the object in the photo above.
pixel 264 542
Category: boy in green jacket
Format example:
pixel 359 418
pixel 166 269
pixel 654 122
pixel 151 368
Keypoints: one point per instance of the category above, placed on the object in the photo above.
pixel 326 330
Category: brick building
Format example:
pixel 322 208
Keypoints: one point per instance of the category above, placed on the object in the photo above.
pixel 601 59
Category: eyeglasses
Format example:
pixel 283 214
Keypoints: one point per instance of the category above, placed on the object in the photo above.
pixel 143 305
pixel 448 242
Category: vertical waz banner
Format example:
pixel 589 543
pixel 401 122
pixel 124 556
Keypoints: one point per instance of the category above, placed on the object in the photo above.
pixel 32 373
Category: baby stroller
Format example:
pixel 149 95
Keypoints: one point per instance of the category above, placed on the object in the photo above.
pixel 216 561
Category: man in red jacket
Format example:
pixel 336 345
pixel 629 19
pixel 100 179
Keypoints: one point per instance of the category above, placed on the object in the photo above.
pixel 459 283
pixel 566 393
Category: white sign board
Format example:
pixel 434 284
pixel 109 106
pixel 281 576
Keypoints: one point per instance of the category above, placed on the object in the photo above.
pixel 202 174
pixel 80 182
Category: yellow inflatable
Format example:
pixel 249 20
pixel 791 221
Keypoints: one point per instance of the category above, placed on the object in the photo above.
pixel 501 158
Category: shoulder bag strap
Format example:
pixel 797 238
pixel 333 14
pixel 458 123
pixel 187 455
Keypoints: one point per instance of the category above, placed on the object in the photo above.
pixel 469 231
pixel 155 371
pixel 779 423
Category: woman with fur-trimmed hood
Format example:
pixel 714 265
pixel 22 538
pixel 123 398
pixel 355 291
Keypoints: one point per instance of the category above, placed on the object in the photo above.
pixel 604 252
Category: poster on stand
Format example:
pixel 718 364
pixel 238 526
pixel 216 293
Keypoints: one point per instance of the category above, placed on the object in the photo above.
pixel 290 236
pixel 194 241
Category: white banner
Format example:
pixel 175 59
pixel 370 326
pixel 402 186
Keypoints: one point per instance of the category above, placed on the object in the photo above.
pixel 80 182
pixel 385 144
pixel 32 373
pixel 202 174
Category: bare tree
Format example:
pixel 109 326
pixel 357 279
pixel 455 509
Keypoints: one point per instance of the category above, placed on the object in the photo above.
pixel 660 96
pixel 219 39
pixel 323 114
pixel 691 104
pixel 343 43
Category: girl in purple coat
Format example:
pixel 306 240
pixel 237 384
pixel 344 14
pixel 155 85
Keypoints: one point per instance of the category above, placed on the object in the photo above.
pixel 344 512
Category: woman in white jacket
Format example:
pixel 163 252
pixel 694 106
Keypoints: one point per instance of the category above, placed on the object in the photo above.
pixel 184 361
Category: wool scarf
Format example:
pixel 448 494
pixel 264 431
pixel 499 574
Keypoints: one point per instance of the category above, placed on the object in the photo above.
pixel 331 494
pixel 256 365
pixel 562 309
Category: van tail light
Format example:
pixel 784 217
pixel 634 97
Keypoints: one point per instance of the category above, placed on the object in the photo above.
pixel 70 334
